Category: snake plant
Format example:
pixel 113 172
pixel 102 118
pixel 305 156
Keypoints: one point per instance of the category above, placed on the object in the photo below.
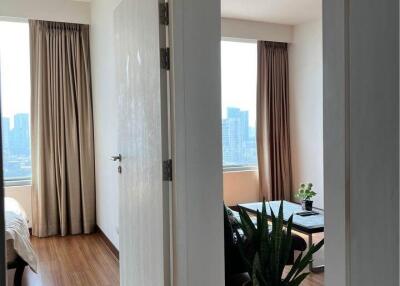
pixel 266 251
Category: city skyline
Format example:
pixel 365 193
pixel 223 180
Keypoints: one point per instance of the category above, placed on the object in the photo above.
pixel 238 138
pixel 16 147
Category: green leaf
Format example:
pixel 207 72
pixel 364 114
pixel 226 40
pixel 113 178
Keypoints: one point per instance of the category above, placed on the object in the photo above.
pixel 246 223
pixel 298 280
pixel 266 252
pixel 242 250
pixel 286 244
pixel 274 247
pixel 264 233
pixel 257 270
pixel 308 257
pixel 260 279
pixel 294 268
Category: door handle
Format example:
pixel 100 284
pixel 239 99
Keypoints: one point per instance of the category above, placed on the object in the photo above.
pixel 116 158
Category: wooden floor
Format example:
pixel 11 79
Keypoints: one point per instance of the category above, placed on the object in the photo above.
pixel 315 279
pixel 85 261
pixel 73 261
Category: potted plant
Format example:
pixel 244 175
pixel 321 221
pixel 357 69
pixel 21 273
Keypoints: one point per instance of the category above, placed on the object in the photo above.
pixel 266 250
pixel 306 193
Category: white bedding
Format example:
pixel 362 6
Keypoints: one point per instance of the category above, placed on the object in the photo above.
pixel 17 232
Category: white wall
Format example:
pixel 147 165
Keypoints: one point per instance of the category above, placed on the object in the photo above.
pixel 23 194
pixel 233 28
pixel 336 175
pixel 373 143
pixel 50 10
pixel 306 107
pixel 241 187
pixel 105 106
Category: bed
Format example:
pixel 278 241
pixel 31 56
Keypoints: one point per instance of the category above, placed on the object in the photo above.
pixel 19 249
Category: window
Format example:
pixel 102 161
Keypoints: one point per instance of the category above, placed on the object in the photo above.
pixel 239 85
pixel 15 100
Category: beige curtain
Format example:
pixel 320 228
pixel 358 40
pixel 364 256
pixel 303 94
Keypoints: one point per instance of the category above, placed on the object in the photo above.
pixel 61 129
pixel 273 133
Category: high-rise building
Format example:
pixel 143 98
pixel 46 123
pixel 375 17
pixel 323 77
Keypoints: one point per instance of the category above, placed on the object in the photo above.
pixel 20 135
pixel 239 146
pixel 5 125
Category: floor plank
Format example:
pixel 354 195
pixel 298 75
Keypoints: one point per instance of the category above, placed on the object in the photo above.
pixel 82 260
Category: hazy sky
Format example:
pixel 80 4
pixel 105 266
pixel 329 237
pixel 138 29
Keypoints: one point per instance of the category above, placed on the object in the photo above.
pixel 239 77
pixel 15 68
pixel 238 59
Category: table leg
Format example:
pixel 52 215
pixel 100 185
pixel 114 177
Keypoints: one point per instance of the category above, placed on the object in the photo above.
pixel 318 268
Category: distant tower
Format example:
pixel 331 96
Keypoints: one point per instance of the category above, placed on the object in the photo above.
pixel 235 136
pixel 20 135
pixel 5 124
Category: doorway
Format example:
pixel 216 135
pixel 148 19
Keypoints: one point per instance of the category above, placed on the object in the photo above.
pixel 250 39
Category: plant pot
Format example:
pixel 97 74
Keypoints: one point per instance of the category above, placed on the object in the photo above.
pixel 307 205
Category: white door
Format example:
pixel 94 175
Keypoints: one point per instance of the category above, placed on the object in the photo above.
pixel 143 144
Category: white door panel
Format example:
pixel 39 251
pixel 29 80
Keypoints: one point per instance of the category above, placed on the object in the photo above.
pixel 144 239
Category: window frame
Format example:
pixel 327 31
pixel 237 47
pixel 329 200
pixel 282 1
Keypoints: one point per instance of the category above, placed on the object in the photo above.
pixel 18 182
pixel 240 168
pixel 21 181
pixel 243 167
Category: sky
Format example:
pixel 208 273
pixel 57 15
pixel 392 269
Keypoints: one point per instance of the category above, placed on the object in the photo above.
pixel 238 61
pixel 15 68
pixel 239 77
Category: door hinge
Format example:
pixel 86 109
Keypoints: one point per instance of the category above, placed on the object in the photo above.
pixel 164 14
pixel 165 58
pixel 167 170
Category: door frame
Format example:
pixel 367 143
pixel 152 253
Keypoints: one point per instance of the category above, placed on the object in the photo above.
pixel 335 35
pixel 3 264
pixel 336 141
pixel 197 213
pixel 347 27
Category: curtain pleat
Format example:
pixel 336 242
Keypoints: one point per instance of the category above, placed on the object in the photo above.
pixel 273 130
pixel 63 175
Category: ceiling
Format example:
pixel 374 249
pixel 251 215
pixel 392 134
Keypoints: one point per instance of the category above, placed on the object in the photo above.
pixel 290 12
